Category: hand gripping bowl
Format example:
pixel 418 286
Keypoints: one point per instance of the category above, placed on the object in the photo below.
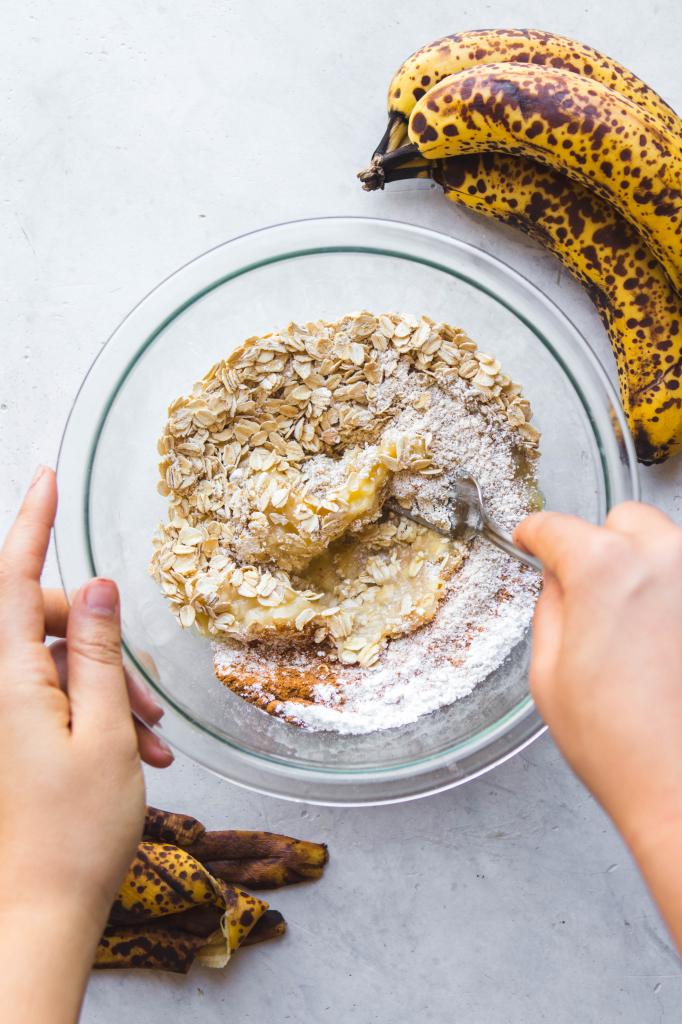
pixel 108 471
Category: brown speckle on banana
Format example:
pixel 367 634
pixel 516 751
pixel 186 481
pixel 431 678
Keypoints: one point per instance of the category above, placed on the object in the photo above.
pixel 633 295
pixel 572 124
pixel 165 881
pixel 454 53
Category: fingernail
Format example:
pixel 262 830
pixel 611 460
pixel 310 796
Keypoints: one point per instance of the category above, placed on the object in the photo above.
pixel 101 596
pixel 37 475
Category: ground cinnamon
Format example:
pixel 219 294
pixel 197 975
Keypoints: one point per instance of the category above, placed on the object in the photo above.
pixel 286 682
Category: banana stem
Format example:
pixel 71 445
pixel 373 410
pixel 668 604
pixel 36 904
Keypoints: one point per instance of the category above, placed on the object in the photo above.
pixel 374 176
pixel 396 132
pixel 407 173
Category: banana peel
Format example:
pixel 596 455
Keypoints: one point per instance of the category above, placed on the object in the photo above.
pixel 175 942
pixel 259 860
pixel 165 949
pixel 172 910
pixel 164 882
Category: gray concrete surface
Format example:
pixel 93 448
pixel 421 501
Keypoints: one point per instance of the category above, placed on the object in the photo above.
pixel 133 136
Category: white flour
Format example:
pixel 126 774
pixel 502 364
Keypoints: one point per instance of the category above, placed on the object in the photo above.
pixel 489 601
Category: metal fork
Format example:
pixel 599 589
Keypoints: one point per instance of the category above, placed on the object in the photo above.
pixel 467 515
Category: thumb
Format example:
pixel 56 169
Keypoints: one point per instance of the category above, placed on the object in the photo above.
pixel 96 683
pixel 558 540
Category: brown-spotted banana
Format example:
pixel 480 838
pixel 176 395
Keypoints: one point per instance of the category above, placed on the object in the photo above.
pixel 569 123
pixel 451 54
pixel 640 309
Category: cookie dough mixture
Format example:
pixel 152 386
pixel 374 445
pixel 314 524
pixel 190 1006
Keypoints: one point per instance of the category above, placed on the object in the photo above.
pixel 324 608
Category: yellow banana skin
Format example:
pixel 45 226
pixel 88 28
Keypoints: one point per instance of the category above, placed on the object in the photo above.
pixel 631 290
pixel 454 53
pixel 641 311
pixel 163 949
pixel 572 124
pixel 163 883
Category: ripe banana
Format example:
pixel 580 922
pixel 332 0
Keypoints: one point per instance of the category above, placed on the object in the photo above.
pixel 579 127
pixel 451 54
pixel 641 311
pixel 570 123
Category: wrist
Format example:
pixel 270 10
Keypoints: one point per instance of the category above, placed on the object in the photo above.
pixel 652 826
pixel 65 939
pixel 52 914
pixel 655 839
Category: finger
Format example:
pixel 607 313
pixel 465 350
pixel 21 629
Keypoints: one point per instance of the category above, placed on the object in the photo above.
pixel 638 519
pixel 26 543
pixel 21 562
pixel 58 652
pixel 546 638
pixel 141 701
pixel 97 690
pixel 56 608
pixel 556 539
pixel 153 750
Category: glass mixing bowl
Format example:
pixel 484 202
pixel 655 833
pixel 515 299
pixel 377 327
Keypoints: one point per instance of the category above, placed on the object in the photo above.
pixel 109 507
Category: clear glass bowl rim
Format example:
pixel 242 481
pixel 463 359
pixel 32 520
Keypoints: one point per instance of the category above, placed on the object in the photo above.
pixel 524 712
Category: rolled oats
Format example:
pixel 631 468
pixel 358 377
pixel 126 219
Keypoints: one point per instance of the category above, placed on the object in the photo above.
pixel 275 468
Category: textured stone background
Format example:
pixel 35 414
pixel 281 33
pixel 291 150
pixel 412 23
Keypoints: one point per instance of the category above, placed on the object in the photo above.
pixel 133 136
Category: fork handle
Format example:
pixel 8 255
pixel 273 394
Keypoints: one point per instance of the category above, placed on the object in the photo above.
pixel 501 539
